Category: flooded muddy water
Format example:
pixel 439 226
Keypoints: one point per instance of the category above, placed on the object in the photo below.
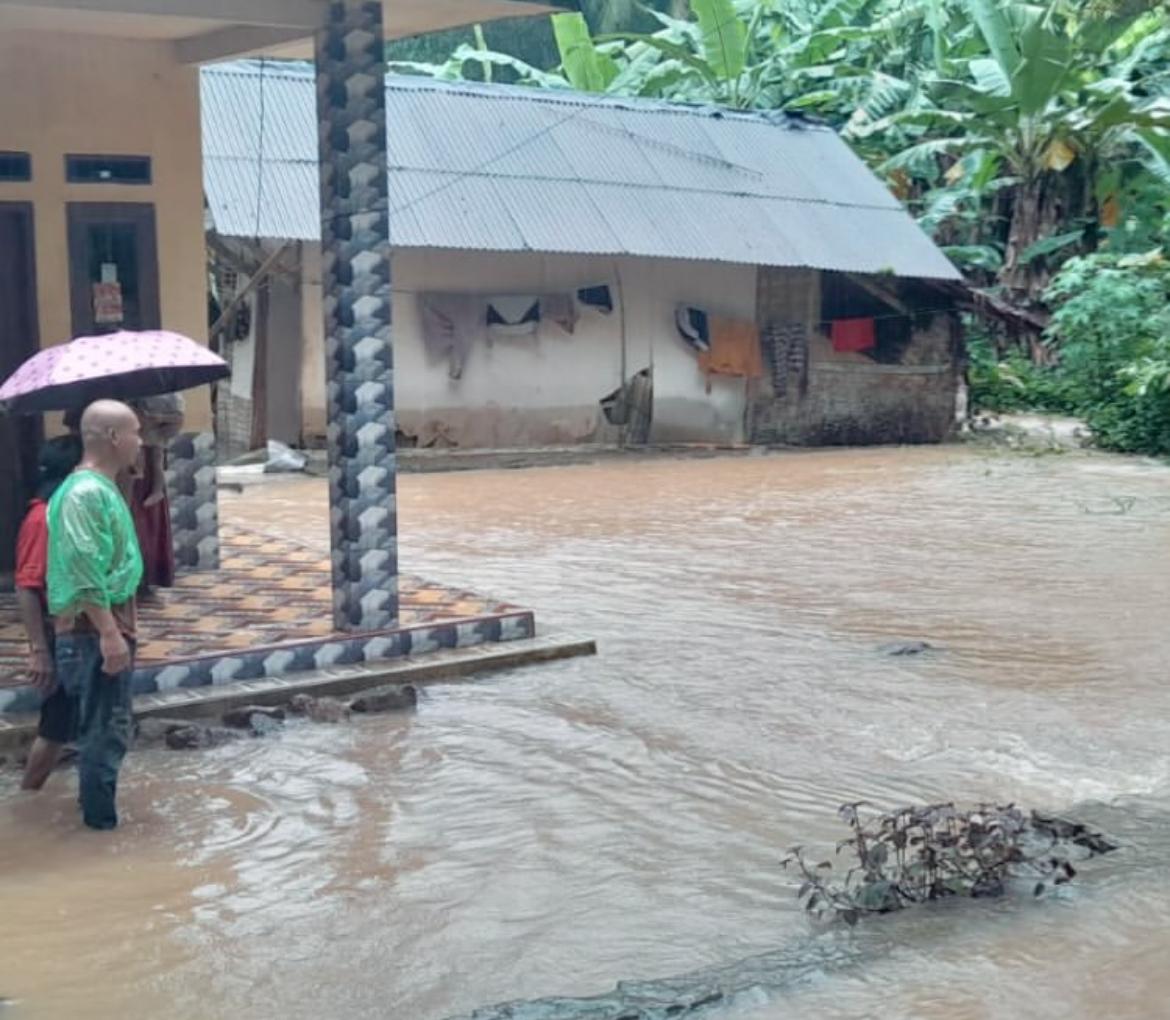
pixel 554 830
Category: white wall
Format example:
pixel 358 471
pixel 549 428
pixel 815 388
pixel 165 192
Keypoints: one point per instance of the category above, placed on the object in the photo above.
pixel 684 410
pixel 545 390
pixel 242 352
pixel 282 370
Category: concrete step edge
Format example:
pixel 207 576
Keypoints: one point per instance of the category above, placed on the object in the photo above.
pixel 338 681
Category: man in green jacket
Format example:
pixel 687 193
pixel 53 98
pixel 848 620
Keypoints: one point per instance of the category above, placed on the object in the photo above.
pixel 94 570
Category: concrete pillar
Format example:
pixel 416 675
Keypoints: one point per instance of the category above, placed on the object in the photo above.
pixel 351 112
pixel 194 502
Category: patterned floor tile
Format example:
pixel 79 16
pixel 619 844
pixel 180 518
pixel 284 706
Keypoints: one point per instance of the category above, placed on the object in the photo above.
pixel 267 592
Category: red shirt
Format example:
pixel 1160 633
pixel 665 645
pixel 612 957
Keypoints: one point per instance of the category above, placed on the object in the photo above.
pixel 32 548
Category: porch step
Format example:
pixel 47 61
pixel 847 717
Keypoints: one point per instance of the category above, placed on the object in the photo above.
pixel 16 731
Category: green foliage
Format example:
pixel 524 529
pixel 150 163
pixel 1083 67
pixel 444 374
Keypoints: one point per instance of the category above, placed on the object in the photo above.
pixel 1008 381
pixel 723 38
pixel 529 40
pixel 1111 325
pixel 1110 337
pixel 585 66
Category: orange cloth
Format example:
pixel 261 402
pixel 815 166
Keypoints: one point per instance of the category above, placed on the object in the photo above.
pixel 735 349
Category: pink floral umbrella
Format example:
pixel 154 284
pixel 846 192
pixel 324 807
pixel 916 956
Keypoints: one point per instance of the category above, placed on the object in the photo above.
pixel 117 366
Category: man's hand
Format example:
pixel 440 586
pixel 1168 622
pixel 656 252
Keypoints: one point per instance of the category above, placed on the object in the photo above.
pixel 115 653
pixel 40 671
pixel 154 498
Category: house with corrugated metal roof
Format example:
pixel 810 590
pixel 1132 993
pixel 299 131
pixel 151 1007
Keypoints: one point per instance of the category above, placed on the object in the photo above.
pixel 570 268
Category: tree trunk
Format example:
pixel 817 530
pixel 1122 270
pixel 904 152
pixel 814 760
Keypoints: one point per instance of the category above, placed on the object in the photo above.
pixel 1035 213
pixel 1023 231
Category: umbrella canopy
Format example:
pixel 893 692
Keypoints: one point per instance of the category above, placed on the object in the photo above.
pixel 116 366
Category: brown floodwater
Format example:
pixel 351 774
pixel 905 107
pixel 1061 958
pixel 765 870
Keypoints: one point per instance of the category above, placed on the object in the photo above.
pixel 555 830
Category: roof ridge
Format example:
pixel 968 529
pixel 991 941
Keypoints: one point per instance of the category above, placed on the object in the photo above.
pixel 301 69
pixel 559 171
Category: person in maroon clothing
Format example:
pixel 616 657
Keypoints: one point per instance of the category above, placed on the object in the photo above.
pixel 162 420
pixel 58 459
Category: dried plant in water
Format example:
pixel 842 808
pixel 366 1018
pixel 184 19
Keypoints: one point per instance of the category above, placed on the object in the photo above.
pixel 925 853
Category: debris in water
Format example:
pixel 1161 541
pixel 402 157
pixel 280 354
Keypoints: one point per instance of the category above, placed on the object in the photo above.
pixel 197 737
pixel 262 724
pixel 322 710
pixel 154 729
pixel 244 718
pixel 698 996
pixel 397 698
pixel 922 853
pixel 907 648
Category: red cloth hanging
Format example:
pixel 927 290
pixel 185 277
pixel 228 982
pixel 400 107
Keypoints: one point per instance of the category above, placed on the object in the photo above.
pixel 849 335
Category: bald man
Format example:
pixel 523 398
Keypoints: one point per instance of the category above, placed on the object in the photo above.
pixel 95 567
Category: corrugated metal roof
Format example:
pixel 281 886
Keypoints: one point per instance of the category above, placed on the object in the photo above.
pixel 498 168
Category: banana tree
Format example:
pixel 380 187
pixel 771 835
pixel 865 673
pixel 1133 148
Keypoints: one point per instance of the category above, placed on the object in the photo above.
pixel 796 55
pixel 826 57
pixel 1040 99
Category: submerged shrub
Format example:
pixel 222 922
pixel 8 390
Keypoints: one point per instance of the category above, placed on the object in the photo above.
pixel 925 853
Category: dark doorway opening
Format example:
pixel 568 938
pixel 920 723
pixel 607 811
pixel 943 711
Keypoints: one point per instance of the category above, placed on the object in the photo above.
pixel 20 437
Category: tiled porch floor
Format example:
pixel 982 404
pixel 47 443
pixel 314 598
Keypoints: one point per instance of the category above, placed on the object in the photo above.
pixel 268 592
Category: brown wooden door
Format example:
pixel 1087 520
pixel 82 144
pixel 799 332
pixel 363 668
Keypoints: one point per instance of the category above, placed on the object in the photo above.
pixel 19 437
pixel 113 267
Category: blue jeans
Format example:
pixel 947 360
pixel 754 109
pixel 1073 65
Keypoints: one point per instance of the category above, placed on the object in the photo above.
pixel 104 720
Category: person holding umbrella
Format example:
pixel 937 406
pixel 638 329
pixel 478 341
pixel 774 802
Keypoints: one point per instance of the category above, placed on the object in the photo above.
pixel 94 561
pixel 145 487
pixel 94 570
pixel 113 366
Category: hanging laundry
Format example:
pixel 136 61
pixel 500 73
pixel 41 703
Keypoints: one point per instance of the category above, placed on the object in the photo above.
pixel 600 298
pixel 851 335
pixel 513 315
pixel 785 349
pixel 735 349
pixel 641 408
pixel 693 327
pixel 561 309
pixel 616 405
pixel 451 323
pixel 632 405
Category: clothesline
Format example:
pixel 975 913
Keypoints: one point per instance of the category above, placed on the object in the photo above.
pixel 883 318
pixel 411 291
pixel 486 295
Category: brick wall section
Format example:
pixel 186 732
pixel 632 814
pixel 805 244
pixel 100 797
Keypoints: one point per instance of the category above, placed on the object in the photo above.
pixel 814 399
pixel 239 426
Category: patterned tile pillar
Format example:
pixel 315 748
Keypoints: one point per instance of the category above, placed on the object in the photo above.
pixel 355 244
pixel 191 491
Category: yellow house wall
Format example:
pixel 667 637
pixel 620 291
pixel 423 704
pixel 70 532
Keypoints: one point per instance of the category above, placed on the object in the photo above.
pixel 93 95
